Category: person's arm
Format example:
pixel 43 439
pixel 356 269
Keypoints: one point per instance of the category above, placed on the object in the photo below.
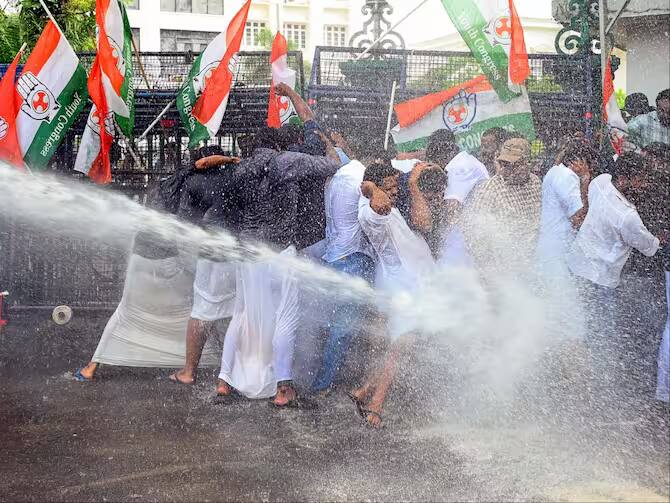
pixel 297 167
pixel 422 217
pixel 215 160
pixel 331 153
pixel 635 234
pixel 380 203
pixel 582 169
pixel 340 142
pixel 301 108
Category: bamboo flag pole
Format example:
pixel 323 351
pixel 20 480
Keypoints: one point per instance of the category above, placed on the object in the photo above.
pixel 390 116
pixel 139 62
pixel 51 17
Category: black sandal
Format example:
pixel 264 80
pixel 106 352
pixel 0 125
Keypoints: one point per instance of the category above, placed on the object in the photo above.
pixel 369 412
pixel 296 403
pixel 358 403
pixel 229 398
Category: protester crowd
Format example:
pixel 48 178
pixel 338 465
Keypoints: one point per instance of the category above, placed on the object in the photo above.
pixel 587 229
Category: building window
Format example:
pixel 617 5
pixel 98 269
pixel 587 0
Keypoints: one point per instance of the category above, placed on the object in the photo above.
pixel 296 33
pixel 136 37
pixel 193 6
pixel 335 35
pixel 252 33
pixel 182 40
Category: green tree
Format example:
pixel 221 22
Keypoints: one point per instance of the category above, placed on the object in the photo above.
pixel 26 19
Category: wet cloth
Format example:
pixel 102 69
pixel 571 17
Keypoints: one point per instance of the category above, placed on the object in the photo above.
pixel 501 222
pixel 344 235
pixel 561 199
pixel 260 341
pixel 611 229
pixel 464 173
pixel 663 377
pixel 647 128
pixel 148 328
pixel 403 260
pixel 213 290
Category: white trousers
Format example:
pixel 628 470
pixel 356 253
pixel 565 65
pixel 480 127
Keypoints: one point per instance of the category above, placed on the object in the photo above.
pixel 260 341
pixel 663 379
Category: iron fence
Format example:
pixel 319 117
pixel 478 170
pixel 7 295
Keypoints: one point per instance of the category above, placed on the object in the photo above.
pixel 347 96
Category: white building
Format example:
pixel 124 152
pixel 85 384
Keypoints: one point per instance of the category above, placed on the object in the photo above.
pixel 430 27
pixel 181 25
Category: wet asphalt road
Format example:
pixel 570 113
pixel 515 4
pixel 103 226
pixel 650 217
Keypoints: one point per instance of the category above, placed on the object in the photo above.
pixel 133 435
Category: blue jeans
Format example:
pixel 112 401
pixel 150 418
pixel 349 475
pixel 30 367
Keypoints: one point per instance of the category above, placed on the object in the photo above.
pixel 342 323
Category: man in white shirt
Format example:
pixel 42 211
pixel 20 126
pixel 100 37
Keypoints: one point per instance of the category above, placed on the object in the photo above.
pixel 347 251
pixel 612 228
pixel 403 259
pixel 564 206
pixel 464 172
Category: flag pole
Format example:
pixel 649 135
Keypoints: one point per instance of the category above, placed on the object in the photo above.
pixel 153 124
pixel 51 17
pixel 389 30
pixel 139 62
pixel 128 144
pixel 390 116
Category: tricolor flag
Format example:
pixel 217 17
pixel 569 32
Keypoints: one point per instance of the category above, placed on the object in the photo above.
pixel 203 99
pixel 51 93
pixel 280 108
pixel 468 110
pixel 110 85
pixel 493 32
pixel 9 142
pixel 616 126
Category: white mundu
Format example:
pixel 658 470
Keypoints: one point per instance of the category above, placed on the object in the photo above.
pixel 260 341
pixel 148 328
pixel 403 258
pixel 611 229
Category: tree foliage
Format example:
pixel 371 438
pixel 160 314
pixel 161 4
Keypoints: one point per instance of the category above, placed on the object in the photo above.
pixel 26 21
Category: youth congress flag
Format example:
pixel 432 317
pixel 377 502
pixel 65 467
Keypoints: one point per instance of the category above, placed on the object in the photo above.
pixel 9 142
pixel 202 100
pixel 110 85
pixel 493 32
pixel 280 108
pixel 51 93
pixel 616 126
pixel 468 110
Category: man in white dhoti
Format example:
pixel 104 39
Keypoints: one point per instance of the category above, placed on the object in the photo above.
pixel 148 327
pixel 258 349
pixel 403 259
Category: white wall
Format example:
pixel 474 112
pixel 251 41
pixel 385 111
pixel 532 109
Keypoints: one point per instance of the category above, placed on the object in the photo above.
pixel 647 43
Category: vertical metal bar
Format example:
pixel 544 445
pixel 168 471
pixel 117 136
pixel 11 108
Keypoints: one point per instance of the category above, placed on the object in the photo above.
pixel 604 57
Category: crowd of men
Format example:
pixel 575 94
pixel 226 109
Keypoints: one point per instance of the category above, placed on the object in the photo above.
pixel 589 230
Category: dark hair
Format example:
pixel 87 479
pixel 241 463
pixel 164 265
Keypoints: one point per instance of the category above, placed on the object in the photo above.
pixel 432 180
pixel 266 137
pixel 663 95
pixel 501 134
pixel 628 164
pixel 289 134
pixel 442 147
pixel 576 150
pixel 206 151
pixel 378 170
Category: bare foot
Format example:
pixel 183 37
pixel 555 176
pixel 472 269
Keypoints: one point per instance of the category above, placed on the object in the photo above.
pixel 182 377
pixel 373 416
pixel 223 388
pixel 285 394
pixel 88 372
pixel 363 392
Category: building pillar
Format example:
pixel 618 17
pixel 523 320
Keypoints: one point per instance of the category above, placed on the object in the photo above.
pixel 314 29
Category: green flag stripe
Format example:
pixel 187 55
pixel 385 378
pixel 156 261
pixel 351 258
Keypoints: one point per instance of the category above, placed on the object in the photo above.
pixel 186 99
pixel 471 139
pixel 494 62
pixel 126 124
pixel 49 135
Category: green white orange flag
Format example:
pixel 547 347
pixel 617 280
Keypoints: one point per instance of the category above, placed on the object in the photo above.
pixel 280 108
pixel 10 151
pixel 616 126
pixel 203 98
pixel 468 110
pixel 51 93
pixel 110 86
pixel 493 32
